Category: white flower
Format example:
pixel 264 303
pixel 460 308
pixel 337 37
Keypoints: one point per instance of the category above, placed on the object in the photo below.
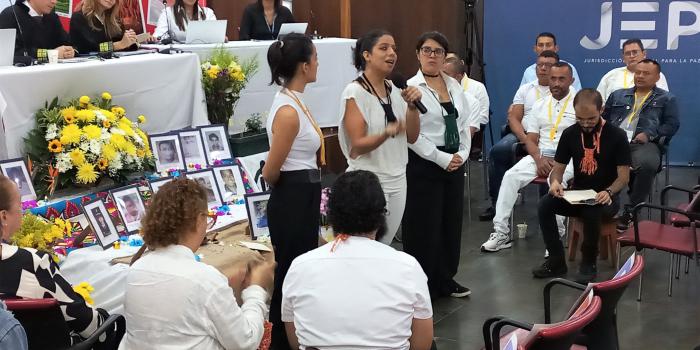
pixel 100 116
pixel 138 139
pixel 116 163
pixel 85 145
pixel 63 162
pixel 206 65
pixel 105 135
pixel 51 132
pixel 117 131
pixel 95 146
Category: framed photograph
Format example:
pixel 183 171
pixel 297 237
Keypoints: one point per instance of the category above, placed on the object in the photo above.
pixel 215 142
pixel 80 221
pixel 101 223
pixel 168 152
pixel 156 184
pixel 256 206
pixel 16 170
pixel 252 167
pixel 193 147
pixel 207 180
pixel 230 182
pixel 130 206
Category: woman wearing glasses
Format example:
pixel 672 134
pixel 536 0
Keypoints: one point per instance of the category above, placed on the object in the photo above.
pixel 432 226
pixel 168 283
pixel 378 121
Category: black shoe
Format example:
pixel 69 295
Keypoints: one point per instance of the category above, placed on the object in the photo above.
pixel 624 221
pixel 488 214
pixel 586 273
pixel 457 290
pixel 552 267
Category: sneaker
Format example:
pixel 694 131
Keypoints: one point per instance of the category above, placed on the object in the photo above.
pixel 496 242
pixel 457 290
pixel 586 273
pixel 488 214
pixel 550 268
pixel 546 253
pixel 624 221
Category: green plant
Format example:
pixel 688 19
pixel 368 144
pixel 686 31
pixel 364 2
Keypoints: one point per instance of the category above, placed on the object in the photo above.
pixel 254 123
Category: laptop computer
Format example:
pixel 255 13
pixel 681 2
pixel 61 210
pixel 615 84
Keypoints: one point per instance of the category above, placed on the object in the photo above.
pixel 7 46
pixel 288 28
pixel 206 32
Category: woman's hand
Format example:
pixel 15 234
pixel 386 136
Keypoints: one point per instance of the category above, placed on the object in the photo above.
pixel 395 128
pixel 411 94
pixel 65 52
pixel 128 39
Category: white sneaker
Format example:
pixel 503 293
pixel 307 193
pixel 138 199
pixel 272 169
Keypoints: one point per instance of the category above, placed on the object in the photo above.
pixel 546 253
pixel 496 242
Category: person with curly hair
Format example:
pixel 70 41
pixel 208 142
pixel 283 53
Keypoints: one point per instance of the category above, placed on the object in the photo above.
pixel 330 291
pixel 174 301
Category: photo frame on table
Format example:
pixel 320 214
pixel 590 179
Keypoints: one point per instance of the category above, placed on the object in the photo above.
pixel 156 184
pixel 193 147
pixel 130 206
pixel 216 145
pixel 167 151
pixel 256 206
pixel 230 182
pixel 102 225
pixel 208 181
pixel 16 170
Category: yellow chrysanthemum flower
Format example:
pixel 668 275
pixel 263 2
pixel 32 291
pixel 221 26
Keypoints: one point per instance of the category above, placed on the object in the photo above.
pixel 85 115
pixel 55 146
pixel 127 129
pixel 141 119
pixel 239 76
pixel 109 152
pixel 68 114
pixel 118 112
pixel 84 289
pixel 234 67
pixel 118 141
pixel 92 132
pixel 26 241
pixel 70 134
pixel 143 137
pixel 86 174
pixel 102 164
pixel 77 157
pixel 130 149
pixel 84 100
pixel 106 96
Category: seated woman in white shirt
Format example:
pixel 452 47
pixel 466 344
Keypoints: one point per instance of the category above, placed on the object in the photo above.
pixel 175 24
pixel 173 301
pixel 355 292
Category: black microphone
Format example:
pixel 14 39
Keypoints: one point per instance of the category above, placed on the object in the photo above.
pixel 400 82
pixel 171 38
pixel 27 60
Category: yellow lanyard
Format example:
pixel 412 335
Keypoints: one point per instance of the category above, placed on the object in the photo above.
pixel 465 83
pixel 637 107
pixel 311 120
pixel 624 79
pixel 537 93
pixel 553 131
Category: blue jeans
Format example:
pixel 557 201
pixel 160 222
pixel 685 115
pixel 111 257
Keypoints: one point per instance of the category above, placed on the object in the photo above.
pixel 500 160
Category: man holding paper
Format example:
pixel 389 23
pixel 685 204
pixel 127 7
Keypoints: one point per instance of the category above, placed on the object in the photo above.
pixel 601 158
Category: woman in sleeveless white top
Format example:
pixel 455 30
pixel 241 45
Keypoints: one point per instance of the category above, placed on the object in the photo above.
pixel 378 121
pixel 167 26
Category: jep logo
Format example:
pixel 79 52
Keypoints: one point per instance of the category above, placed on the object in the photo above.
pixel 675 29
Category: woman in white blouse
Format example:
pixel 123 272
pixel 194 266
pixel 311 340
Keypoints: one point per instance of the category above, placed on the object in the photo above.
pixel 432 225
pixel 291 168
pixel 174 26
pixel 172 300
pixel 378 121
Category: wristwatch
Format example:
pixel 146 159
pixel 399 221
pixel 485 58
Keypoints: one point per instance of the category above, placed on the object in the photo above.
pixel 610 192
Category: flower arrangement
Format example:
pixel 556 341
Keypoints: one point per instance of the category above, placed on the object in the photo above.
pixel 326 231
pixel 81 140
pixel 223 78
pixel 84 289
pixel 41 234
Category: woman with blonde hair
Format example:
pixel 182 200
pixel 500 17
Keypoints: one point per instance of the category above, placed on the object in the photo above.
pixel 96 27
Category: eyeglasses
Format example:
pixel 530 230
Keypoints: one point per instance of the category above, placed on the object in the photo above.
pixel 632 53
pixel 545 65
pixel 211 220
pixel 426 51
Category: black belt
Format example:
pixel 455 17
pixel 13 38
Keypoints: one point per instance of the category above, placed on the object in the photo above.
pixel 306 176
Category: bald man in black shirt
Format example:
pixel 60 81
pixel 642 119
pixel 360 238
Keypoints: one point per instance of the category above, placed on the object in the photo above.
pixel 601 158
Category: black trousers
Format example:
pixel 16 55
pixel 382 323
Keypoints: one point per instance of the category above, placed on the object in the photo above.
pixel 432 222
pixel 591 216
pixel 646 159
pixel 293 214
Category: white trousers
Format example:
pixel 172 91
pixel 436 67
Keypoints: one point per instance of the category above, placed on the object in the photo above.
pixel 517 177
pixel 395 194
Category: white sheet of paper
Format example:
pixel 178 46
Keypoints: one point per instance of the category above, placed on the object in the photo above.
pixel 255 246
pixel 575 196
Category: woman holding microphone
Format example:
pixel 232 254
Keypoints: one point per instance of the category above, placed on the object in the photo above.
pixel 378 121
pixel 292 168
pixel 432 227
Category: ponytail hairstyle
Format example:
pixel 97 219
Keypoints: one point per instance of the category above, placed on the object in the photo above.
pixel 284 56
pixel 181 16
pixel 366 43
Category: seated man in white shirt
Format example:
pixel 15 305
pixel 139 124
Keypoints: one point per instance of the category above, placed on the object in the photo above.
pixel 546 41
pixel 473 105
pixel 355 292
pixel 550 116
pixel 623 77
pixel 172 300
pixel 455 68
pixel 501 154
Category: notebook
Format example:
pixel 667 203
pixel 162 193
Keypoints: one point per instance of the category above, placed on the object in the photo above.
pixel 288 28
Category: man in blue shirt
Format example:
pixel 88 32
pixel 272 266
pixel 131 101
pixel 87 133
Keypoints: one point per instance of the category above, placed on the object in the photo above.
pixel 649 117
pixel 12 334
pixel 546 41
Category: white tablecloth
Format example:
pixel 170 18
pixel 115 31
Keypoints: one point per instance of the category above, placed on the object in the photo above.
pixel 323 97
pixel 166 89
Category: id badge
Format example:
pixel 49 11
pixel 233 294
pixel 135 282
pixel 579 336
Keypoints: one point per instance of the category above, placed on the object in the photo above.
pixel 548 152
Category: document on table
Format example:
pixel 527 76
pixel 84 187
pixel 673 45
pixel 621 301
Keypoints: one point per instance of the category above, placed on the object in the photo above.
pixel 580 197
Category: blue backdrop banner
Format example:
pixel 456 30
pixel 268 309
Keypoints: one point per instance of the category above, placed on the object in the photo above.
pixel 589 34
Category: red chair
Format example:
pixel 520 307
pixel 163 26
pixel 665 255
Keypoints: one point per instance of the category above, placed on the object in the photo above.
pixel 601 333
pixel 46 328
pixel 681 241
pixel 557 336
pixel 680 220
